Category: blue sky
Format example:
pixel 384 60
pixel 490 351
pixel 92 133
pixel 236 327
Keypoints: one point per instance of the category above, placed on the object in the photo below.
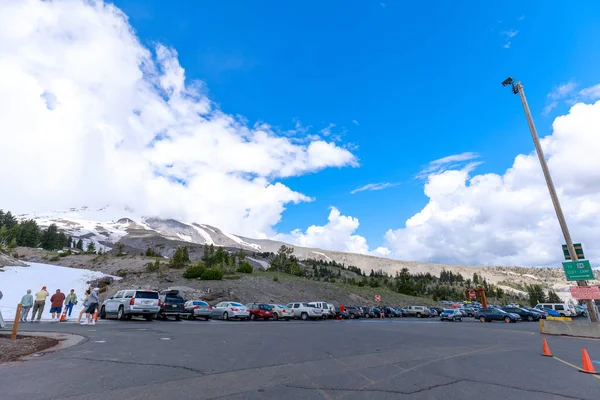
pixel 422 81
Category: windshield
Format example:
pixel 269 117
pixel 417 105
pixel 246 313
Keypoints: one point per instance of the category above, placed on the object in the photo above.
pixel 237 304
pixel 146 295
pixel 200 303
pixel 174 299
pixel 266 307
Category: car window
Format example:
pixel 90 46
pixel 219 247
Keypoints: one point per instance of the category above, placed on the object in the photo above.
pixel 174 300
pixel 118 295
pixel 559 307
pixel 237 304
pixel 128 294
pixel 200 303
pixel 146 295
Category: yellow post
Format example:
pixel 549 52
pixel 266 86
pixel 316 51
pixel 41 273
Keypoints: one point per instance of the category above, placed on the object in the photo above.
pixel 16 323
pixel 541 326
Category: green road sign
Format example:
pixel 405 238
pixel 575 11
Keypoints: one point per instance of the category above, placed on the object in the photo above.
pixel 578 270
pixel 578 251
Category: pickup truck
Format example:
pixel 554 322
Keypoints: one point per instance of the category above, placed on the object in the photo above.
pixel 305 311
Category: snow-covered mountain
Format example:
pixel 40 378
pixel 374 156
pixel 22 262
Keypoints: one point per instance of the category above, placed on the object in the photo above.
pixel 106 226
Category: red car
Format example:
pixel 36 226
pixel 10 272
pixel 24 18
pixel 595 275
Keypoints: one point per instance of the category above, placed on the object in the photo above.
pixel 260 311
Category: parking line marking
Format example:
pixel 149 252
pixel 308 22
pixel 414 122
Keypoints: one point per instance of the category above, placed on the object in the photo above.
pixel 574 366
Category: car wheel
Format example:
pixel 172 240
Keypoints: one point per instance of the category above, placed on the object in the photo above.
pixel 102 313
pixel 418 315
pixel 529 318
pixel 304 316
pixel 367 316
pixel 507 320
pixel 252 317
pixel 121 314
pixel 482 319
pixel 460 319
pixel 352 316
pixel 275 317
pixel 225 316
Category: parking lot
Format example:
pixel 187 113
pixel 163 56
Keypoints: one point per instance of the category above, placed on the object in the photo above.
pixel 351 359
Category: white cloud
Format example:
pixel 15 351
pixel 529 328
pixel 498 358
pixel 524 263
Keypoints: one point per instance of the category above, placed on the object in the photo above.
pixel 374 186
pixel 449 162
pixel 355 122
pixel 508 219
pixel 563 90
pixel 90 116
pixel 591 93
pixel 337 234
pixel 509 34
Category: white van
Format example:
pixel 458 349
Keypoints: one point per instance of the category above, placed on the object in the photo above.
pixel 328 309
pixel 562 308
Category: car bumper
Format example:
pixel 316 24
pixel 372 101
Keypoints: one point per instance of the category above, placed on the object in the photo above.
pixel 238 314
pixel 203 313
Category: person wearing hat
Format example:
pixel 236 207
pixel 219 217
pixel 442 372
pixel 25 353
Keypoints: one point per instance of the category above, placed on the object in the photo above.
pixel 40 302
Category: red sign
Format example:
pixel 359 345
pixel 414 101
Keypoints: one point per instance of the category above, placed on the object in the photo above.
pixel 472 295
pixel 378 298
pixel 585 292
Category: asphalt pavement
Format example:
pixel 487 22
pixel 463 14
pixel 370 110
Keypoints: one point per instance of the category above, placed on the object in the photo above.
pixel 365 359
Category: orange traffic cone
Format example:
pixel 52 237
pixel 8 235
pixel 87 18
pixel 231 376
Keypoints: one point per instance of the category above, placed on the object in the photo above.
pixel 588 367
pixel 95 317
pixel 63 317
pixel 546 349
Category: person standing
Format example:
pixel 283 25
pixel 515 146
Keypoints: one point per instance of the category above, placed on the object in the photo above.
pixel 56 301
pixel 2 323
pixel 40 302
pixel 85 306
pixel 93 303
pixel 70 301
pixel 26 304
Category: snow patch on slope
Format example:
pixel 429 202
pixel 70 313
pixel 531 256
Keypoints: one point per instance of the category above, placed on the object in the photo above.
pixel 262 263
pixel 240 241
pixel 16 281
pixel 322 254
pixel 205 235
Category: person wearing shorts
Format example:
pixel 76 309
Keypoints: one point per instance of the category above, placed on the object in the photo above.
pixel 56 303
pixel 93 303
pixel 85 306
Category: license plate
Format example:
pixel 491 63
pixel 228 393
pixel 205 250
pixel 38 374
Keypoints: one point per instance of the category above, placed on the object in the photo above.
pixel 146 302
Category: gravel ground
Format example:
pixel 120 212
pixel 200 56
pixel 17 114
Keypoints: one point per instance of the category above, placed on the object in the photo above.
pixel 12 350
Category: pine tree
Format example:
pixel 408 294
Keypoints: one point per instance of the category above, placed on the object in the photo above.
pixel 79 245
pixel 553 297
pixel 50 238
pixel 91 247
pixel 70 242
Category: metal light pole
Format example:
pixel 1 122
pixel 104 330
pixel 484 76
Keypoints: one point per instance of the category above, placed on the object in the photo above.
pixel 518 89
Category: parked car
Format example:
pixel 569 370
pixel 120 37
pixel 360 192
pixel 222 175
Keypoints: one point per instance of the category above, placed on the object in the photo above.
pixel 369 313
pixel 230 310
pixel 525 315
pixel 328 309
pixel 197 309
pixel 495 314
pixel 550 312
pixel 305 311
pixel 171 305
pixel 260 311
pixel 354 312
pixel 469 311
pixel 581 311
pixel 128 303
pixel 415 311
pixel 562 309
pixel 451 315
pixel 394 313
pixel 439 310
pixel 340 314
pixel 282 312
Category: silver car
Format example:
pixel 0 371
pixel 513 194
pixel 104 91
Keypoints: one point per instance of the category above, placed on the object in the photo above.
pixel 282 312
pixel 128 303
pixel 229 310
pixel 198 309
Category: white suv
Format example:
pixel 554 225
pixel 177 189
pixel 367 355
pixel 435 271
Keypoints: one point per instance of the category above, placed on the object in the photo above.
pixel 562 308
pixel 327 309
pixel 127 303
pixel 305 311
